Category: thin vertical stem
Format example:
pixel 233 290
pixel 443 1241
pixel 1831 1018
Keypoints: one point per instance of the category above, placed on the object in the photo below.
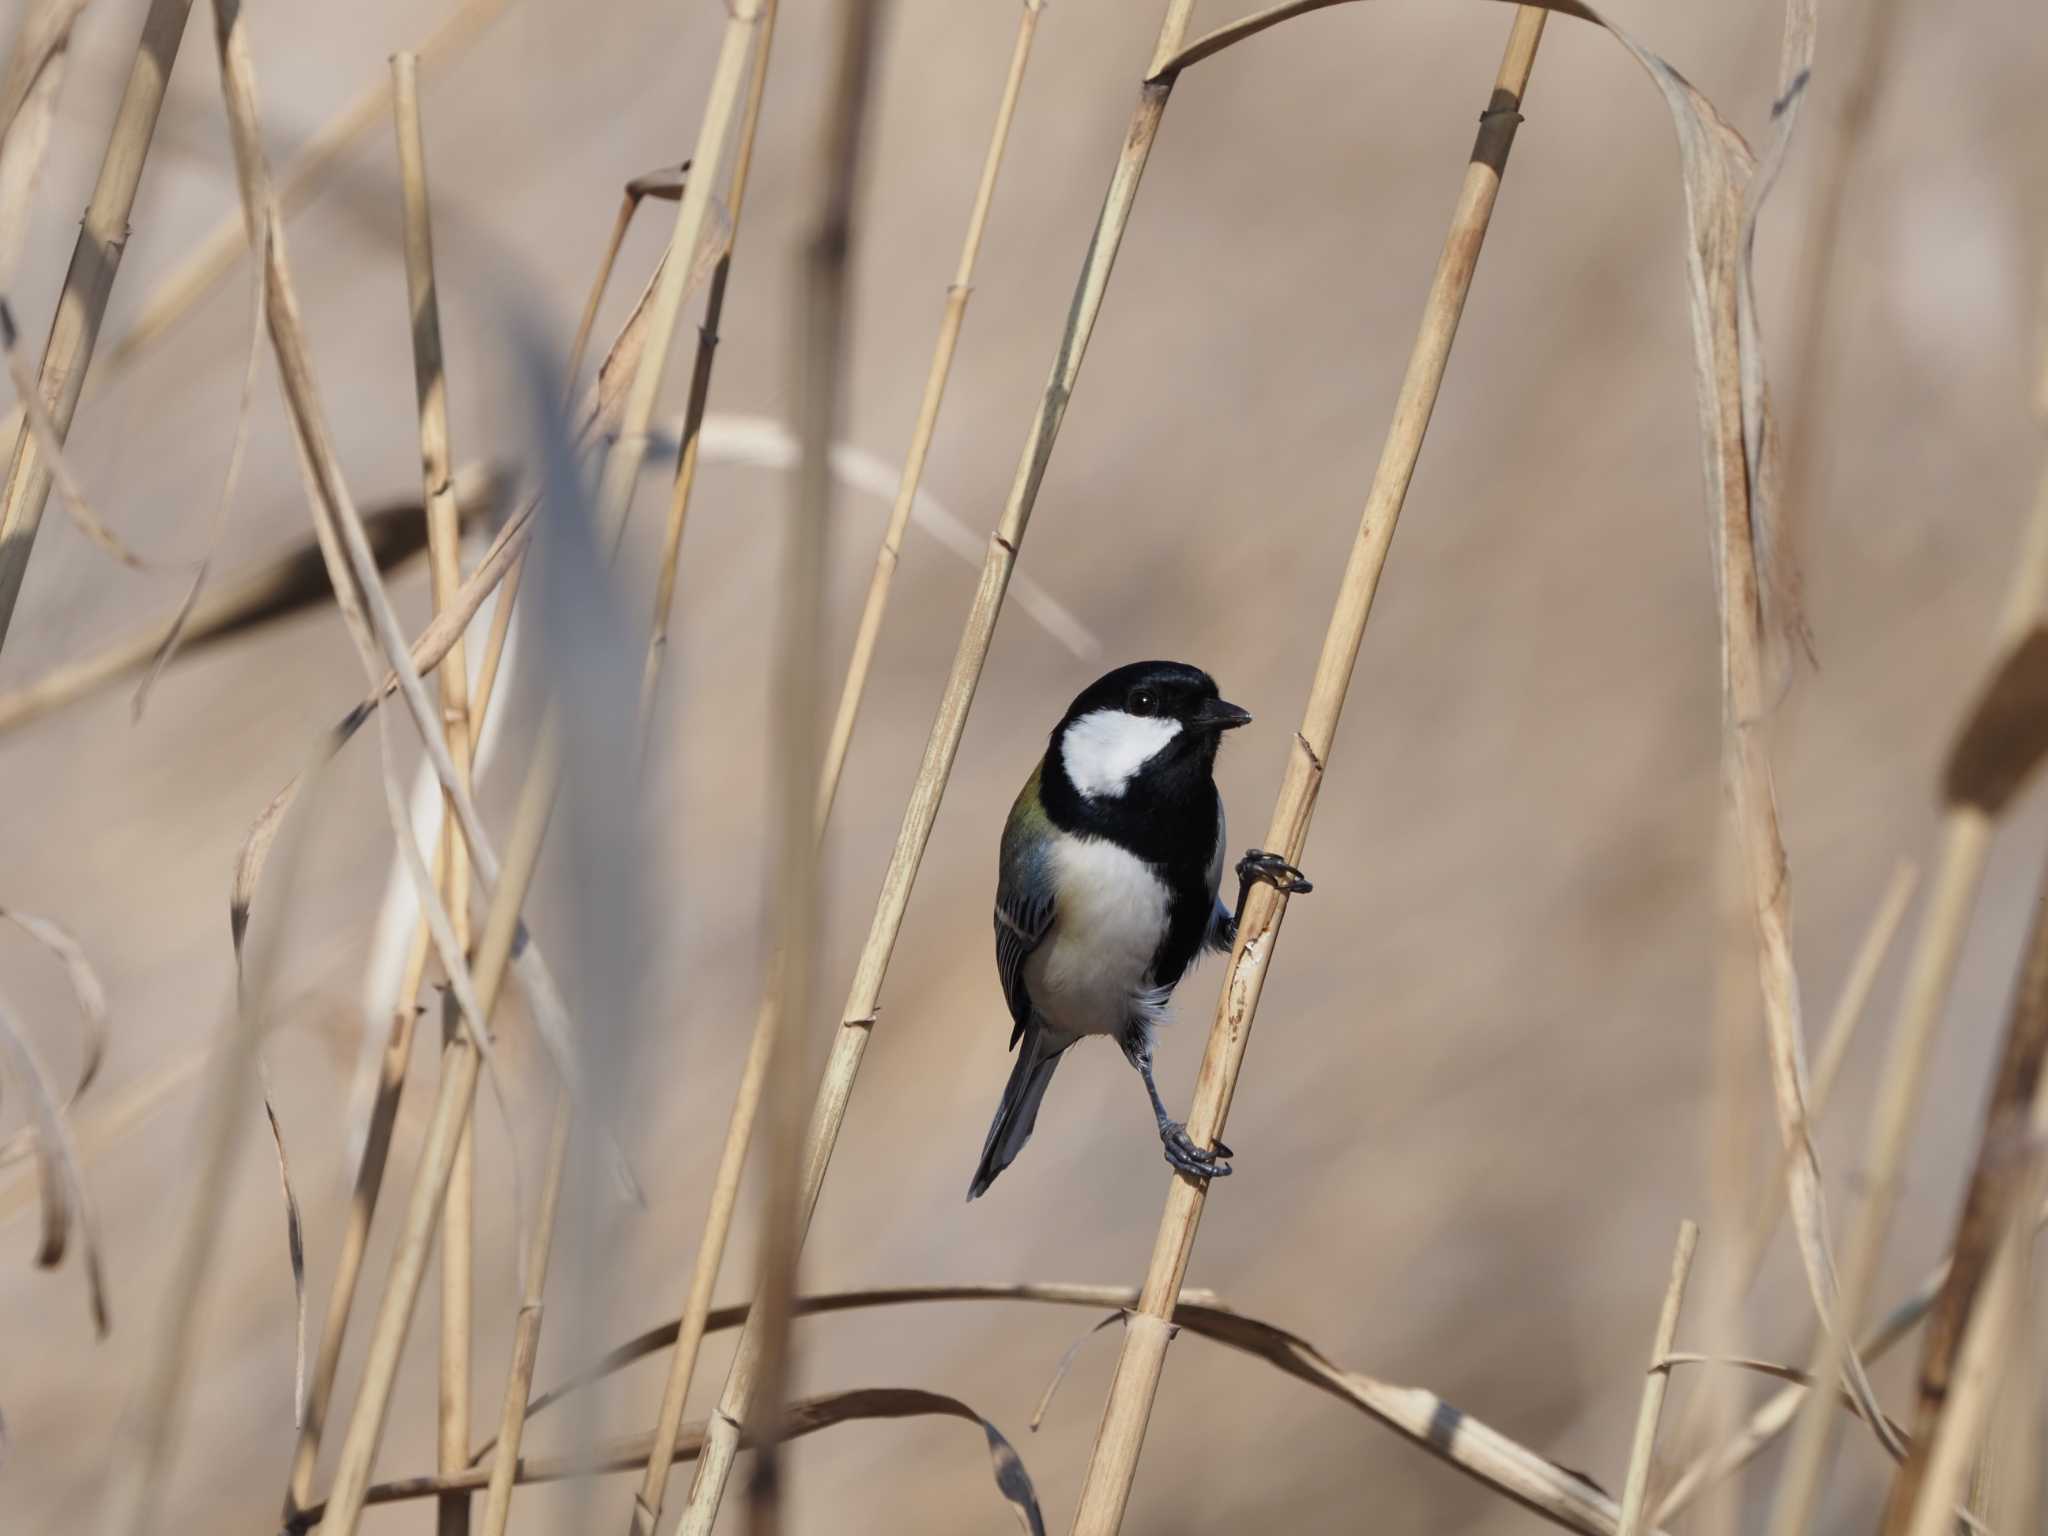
pixel 444 539
pixel 1635 1493
pixel 767 1023
pixel 1114 1462
pixel 957 294
pixel 88 284
pixel 700 377
pixel 849 1043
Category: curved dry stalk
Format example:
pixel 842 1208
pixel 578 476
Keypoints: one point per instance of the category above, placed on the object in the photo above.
pixel 444 553
pixel 1418 1415
pixel 89 281
pixel 805 1418
pixel 857 1019
pixel 1113 1465
pixel 89 992
pixel 28 104
pixel 59 1170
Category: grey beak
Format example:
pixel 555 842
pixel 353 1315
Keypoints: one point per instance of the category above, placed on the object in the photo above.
pixel 1218 715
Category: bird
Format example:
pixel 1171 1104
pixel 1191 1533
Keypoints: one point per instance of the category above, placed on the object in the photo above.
pixel 1107 889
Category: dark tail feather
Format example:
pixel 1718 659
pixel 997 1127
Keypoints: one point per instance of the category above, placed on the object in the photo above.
pixel 1019 1112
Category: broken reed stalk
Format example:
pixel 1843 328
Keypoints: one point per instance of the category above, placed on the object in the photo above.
pixel 957 294
pixel 1959 869
pixel 710 1255
pixel 1985 1215
pixel 858 1018
pixel 444 549
pixel 1114 1462
pixel 526 1331
pixel 1635 1492
pixel 88 284
pixel 700 383
pixel 457 1092
pixel 817 377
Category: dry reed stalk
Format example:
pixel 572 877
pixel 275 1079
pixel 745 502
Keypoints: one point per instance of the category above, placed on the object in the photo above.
pixel 1635 1492
pixel 88 284
pixel 857 1019
pixel 452 1103
pixel 710 1253
pixel 526 1331
pixel 1986 1212
pixel 957 294
pixel 1959 868
pixel 444 541
pixel 700 385
pixel 1113 1465
pixel 818 377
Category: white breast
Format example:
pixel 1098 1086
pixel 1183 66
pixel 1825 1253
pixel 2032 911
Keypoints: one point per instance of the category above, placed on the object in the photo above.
pixel 1088 974
pixel 1102 749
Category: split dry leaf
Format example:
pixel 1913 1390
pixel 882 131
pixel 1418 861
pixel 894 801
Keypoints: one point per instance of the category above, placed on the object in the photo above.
pixel 295 1240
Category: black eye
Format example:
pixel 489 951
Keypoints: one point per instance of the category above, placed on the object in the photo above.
pixel 1143 702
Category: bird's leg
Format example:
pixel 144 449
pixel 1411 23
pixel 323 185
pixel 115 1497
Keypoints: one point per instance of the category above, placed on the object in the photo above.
pixel 1181 1150
pixel 1258 865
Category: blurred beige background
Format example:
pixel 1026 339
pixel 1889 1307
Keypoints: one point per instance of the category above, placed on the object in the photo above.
pixel 1479 1100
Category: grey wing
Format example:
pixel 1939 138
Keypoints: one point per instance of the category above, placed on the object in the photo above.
pixel 1024 912
pixel 1222 922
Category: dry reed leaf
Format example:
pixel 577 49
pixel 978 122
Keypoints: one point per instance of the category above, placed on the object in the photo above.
pixel 665 183
pixel 1780 1371
pixel 1556 1492
pixel 295 1239
pixel 800 1418
pixel 58 1168
pixel 91 996
pixel 2005 735
pixel 50 443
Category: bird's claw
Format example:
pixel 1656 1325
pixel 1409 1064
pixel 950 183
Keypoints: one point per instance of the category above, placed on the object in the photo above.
pixel 1190 1159
pixel 1257 864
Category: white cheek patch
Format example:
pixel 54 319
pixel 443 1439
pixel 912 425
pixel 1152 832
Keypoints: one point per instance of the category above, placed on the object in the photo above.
pixel 1102 750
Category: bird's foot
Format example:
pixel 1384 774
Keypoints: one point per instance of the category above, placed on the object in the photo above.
pixel 1190 1159
pixel 1274 870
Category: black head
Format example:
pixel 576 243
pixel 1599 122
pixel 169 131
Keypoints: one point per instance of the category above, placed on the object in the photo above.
pixel 1139 742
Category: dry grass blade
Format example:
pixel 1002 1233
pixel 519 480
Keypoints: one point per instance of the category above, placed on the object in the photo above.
pixel 102 236
pixel 91 996
pixel 1557 1493
pixel 295 1241
pixel 877 602
pixel 2005 735
pixel 265 592
pixel 1636 1491
pixel 857 1019
pixel 1776 1369
pixel 804 1418
pixel 1113 1465
pixel 61 1174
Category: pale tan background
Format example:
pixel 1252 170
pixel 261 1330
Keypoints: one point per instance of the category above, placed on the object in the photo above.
pixel 1478 1103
